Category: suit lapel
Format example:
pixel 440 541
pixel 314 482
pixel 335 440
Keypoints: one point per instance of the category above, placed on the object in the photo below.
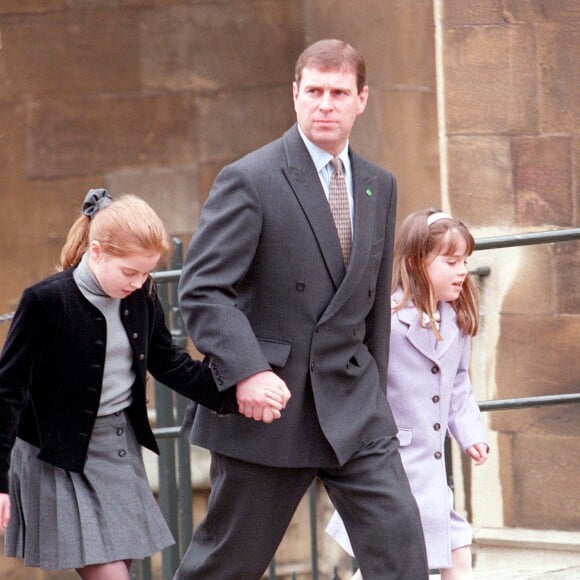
pixel 365 200
pixel 305 183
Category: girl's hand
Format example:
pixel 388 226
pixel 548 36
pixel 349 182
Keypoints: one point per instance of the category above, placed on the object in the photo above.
pixel 262 396
pixel 478 452
pixel 4 511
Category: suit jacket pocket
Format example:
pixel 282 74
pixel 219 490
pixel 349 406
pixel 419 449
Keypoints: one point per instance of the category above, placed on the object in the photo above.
pixel 275 351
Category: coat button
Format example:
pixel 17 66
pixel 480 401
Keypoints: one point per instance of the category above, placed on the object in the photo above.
pixel 121 453
pixel 435 369
pixel 126 313
pixel 437 455
pixel 141 356
pixel 435 398
pixel 437 426
pixel 135 335
pixel 300 286
pixel 120 431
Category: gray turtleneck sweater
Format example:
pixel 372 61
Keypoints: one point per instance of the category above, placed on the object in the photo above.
pixel 118 376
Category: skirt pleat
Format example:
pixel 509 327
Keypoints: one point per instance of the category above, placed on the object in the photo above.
pixel 62 519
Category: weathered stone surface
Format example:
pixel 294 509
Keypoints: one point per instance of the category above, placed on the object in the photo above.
pixel 559 55
pixel 395 37
pixel 480 180
pixel 233 123
pixel 174 193
pixel 567 278
pixel 544 11
pixel 482 12
pixel 82 136
pixel 30 6
pixel 204 47
pixel 378 136
pixel 533 272
pixel 545 496
pixel 538 355
pixel 490 80
pixel 543 180
pixel 70 53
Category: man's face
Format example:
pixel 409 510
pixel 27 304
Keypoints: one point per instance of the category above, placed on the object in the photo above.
pixel 327 104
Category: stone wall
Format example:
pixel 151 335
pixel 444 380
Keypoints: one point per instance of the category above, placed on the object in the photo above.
pixel 473 105
pixel 511 97
pixel 153 97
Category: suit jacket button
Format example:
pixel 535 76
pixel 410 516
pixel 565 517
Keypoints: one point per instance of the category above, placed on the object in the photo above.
pixel 300 286
pixel 135 335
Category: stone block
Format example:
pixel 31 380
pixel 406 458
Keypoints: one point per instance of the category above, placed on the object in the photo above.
pixel 414 158
pixel 544 11
pixel 576 181
pixel 233 123
pixel 70 53
pixel 173 193
pixel 543 180
pixel 543 472
pixel 216 45
pixel 531 290
pixel 395 37
pixel 490 80
pixel 480 180
pixel 537 355
pixel 566 277
pixel 458 13
pixel 99 134
pixel 31 6
pixel 559 86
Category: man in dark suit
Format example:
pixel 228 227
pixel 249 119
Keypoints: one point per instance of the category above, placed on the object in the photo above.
pixel 280 293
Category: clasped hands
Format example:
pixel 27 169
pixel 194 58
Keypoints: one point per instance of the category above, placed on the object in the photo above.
pixel 262 396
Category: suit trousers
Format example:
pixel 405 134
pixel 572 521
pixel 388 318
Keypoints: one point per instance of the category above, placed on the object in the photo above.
pixel 251 505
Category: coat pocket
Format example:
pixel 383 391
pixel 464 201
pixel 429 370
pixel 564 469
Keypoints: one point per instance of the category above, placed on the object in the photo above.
pixel 275 351
pixel 405 436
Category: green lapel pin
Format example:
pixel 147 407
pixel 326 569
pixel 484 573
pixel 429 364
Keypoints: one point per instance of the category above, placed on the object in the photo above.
pixel 369 192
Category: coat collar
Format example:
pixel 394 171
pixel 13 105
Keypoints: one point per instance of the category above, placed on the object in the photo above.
pixel 423 338
pixel 305 183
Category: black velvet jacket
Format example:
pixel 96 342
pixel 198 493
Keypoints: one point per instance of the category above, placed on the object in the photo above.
pixel 51 371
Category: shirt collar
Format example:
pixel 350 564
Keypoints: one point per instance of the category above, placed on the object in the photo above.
pixel 320 157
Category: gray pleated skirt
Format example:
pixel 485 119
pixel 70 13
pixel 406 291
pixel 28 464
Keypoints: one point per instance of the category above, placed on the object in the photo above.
pixel 61 519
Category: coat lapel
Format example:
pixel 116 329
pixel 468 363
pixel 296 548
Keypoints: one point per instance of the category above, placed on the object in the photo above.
pixel 423 338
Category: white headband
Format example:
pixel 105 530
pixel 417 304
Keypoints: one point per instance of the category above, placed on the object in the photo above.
pixel 438 215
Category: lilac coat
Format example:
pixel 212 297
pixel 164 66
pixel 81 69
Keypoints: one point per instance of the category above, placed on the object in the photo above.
pixel 430 393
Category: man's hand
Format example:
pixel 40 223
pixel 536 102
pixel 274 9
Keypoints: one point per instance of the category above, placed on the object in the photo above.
pixel 262 396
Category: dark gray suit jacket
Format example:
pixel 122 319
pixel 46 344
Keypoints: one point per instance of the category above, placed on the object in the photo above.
pixel 264 287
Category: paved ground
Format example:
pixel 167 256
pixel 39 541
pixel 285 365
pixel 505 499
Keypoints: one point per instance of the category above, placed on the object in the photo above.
pixel 555 574
pixel 561 574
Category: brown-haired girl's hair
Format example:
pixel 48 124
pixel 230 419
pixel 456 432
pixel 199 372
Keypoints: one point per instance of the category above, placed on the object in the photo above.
pixel 127 226
pixel 415 241
pixel 332 54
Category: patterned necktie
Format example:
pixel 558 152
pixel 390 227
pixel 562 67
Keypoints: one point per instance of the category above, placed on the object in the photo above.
pixel 338 199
